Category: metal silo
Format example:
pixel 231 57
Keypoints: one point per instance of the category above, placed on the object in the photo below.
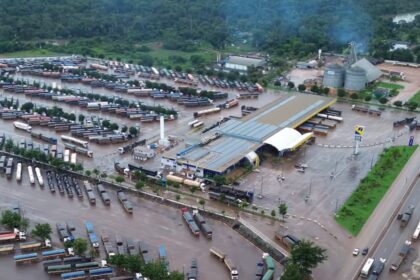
pixel 355 79
pixel 334 76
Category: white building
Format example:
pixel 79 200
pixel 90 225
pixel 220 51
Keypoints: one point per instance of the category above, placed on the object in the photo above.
pixel 241 63
pixel 399 46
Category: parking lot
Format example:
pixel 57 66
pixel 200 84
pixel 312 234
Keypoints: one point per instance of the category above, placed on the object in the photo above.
pixel 152 223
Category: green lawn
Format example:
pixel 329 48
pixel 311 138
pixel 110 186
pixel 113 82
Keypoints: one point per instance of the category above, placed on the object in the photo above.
pixel 360 205
pixel 416 98
pixel 28 53
pixel 389 85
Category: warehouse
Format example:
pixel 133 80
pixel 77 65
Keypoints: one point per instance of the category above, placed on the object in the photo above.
pixel 240 140
pixel 241 63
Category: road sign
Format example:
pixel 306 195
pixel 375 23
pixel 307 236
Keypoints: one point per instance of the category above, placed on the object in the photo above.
pixel 411 141
pixel 359 130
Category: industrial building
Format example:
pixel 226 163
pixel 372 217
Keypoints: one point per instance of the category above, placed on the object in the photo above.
pixel 242 63
pixel 354 78
pixel 239 141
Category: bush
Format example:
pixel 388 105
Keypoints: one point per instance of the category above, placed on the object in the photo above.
pixel 368 98
pixel 383 100
pixel 341 92
pixel 398 103
pixel 354 96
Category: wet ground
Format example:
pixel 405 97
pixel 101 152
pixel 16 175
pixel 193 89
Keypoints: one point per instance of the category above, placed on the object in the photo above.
pixel 332 175
pixel 153 223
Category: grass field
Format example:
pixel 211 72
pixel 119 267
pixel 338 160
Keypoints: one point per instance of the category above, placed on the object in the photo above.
pixel 416 98
pixel 360 205
pixel 28 53
pixel 389 86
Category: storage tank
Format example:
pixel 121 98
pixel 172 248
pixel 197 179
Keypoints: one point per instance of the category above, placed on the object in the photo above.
pixel 355 79
pixel 334 76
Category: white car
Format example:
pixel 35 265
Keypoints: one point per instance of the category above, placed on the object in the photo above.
pixel 356 252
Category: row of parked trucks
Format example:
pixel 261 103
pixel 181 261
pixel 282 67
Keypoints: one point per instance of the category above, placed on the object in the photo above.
pixel 196 222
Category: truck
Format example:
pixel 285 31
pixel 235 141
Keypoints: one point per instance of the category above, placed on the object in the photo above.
pixel 22 126
pixel 367 268
pixel 32 257
pixel 104 194
pixel 9 167
pixel 76 141
pixel 378 266
pixel 201 222
pixel 416 233
pixel 193 273
pixel 405 249
pixel 89 192
pixel 124 201
pixel 7 249
pixel 232 268
pixel 186 215
pixel 19 172
pixel 12 235
pixel 92 235
pixel 406 216
pixel 39 176
pixel 31 175
pixel 63 233
pixel 34 245
pixel 120 245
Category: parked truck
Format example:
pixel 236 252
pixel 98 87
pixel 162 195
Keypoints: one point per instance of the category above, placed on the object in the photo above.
pixel 89 192
pixel 227 261
pixel 34 245
pixel 416 233
pixel 104 194
pixel 201 222
pixel 193 273
pixel 125 202
pixel 12 235
pixel 186 215
pixel 92 235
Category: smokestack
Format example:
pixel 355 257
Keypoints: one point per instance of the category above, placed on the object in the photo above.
pixel 162 128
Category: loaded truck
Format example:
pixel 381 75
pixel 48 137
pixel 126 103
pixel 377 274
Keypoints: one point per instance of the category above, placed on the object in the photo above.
pixel 193 273
pixel 12 235
pixel 227 261
pixel 104 194
pixel 186 215
pixel 92 235
pixel 405 249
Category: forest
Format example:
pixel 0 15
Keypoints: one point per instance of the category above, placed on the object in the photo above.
pixel 289 28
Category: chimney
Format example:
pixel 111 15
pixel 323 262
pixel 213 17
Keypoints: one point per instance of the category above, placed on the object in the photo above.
pixel 162 128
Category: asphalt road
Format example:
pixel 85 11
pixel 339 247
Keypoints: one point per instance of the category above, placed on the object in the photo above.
pixel 396 236
pixel 381 216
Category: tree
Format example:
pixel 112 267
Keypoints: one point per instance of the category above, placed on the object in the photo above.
pixel 14 220
pixel 306 255
pixel 383 100
pixel 88 173
pixel 80 246
pixel 133 131
pixel 106 123
pixel 139 185
pixel 202 202
pixel 273 213
pixel 81 118
pixel 354 95
pixel 326 90
pixel 341 92
pixel 113 126
pixel 219 180
pixel 177 197
pixel 119 179
pixel 42 231
pixel 96 172
pixel 27 107
pixel 124 129
pixel 283 209
pixel 291 85
pixel 292 272
pixel 301 87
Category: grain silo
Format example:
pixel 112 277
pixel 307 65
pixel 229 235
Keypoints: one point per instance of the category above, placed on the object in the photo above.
pixel 334 76
pixel 355 79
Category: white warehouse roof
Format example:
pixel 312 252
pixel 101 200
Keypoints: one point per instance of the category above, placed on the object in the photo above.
pixel 288 139
pixel 246 61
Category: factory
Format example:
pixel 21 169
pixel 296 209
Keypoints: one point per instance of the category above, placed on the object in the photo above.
pixel 354 76
pixel 242 63
pixel 239 142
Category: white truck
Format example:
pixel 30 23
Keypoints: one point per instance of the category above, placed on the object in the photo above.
pixel 367 268
pixel 234 275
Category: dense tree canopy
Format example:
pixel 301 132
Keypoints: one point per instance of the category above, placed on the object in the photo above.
pixel 287 27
